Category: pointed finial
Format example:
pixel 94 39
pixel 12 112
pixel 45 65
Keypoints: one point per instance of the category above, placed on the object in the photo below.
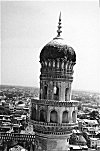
pixel 59 26
pixel 60 16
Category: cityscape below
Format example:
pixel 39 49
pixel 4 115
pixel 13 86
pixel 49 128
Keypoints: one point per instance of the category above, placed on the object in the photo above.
pixel 16 130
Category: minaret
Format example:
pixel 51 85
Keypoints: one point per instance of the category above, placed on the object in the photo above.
pixel 54 114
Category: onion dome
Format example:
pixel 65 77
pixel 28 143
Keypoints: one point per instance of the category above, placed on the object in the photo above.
pixel 57 48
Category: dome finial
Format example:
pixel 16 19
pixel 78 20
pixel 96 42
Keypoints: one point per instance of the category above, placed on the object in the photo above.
pixel 59 26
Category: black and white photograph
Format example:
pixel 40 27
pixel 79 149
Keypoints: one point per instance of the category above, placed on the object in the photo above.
pixel 50 75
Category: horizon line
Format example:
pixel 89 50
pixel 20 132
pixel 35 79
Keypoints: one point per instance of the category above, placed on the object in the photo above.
pixel 12 85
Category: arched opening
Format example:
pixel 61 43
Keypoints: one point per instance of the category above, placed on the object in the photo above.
pixel 62 65
pixel 56 93
pixel 54 63
pixel 65 117
pixel 53 117
pixel 40 94
pixel 42 115
pixel 45 92
pixel 66 94
pixel 74 117
pixel 33 116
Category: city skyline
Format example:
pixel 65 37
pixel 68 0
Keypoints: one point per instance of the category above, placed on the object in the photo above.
pixel 26 27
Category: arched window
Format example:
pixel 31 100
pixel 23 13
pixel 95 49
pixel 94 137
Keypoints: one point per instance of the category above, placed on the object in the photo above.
pixel 74 116
pixel 56 93
pixel 33 116
pixel 66 94
pixel 65 117
pixel 45 63
pixel 62 65
pixel 54 63
pixel 45 92
pixel 53 117
pixel 42 115
pixel 41 91
pixel 49 63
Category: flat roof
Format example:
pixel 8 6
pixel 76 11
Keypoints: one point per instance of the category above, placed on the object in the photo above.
pixel 75 146
pixel 92 138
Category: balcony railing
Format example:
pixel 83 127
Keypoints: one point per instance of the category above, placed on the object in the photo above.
pixel 16 136
pixel 54 124
pixel 57 103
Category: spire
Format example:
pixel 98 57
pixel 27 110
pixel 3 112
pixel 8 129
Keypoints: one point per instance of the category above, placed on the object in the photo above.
pixel 59 26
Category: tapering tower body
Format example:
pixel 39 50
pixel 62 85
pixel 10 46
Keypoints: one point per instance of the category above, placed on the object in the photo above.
pixel 54 114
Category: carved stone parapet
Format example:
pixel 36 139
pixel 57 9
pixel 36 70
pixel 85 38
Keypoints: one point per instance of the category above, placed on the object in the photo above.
pixel 50 128
pixel 54 124
pixel 55 103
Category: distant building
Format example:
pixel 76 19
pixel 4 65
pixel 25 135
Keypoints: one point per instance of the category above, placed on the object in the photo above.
pixel 17 148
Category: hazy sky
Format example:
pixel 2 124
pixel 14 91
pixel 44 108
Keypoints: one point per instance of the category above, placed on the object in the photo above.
pixel 26 26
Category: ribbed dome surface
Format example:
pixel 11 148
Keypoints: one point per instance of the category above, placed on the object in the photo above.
pixel 57 49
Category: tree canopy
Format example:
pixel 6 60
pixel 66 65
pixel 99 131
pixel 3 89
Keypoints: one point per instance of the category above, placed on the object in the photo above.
pixel 4 111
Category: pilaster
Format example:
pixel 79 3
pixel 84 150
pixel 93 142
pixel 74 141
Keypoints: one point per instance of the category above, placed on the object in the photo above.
pixel 70 116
